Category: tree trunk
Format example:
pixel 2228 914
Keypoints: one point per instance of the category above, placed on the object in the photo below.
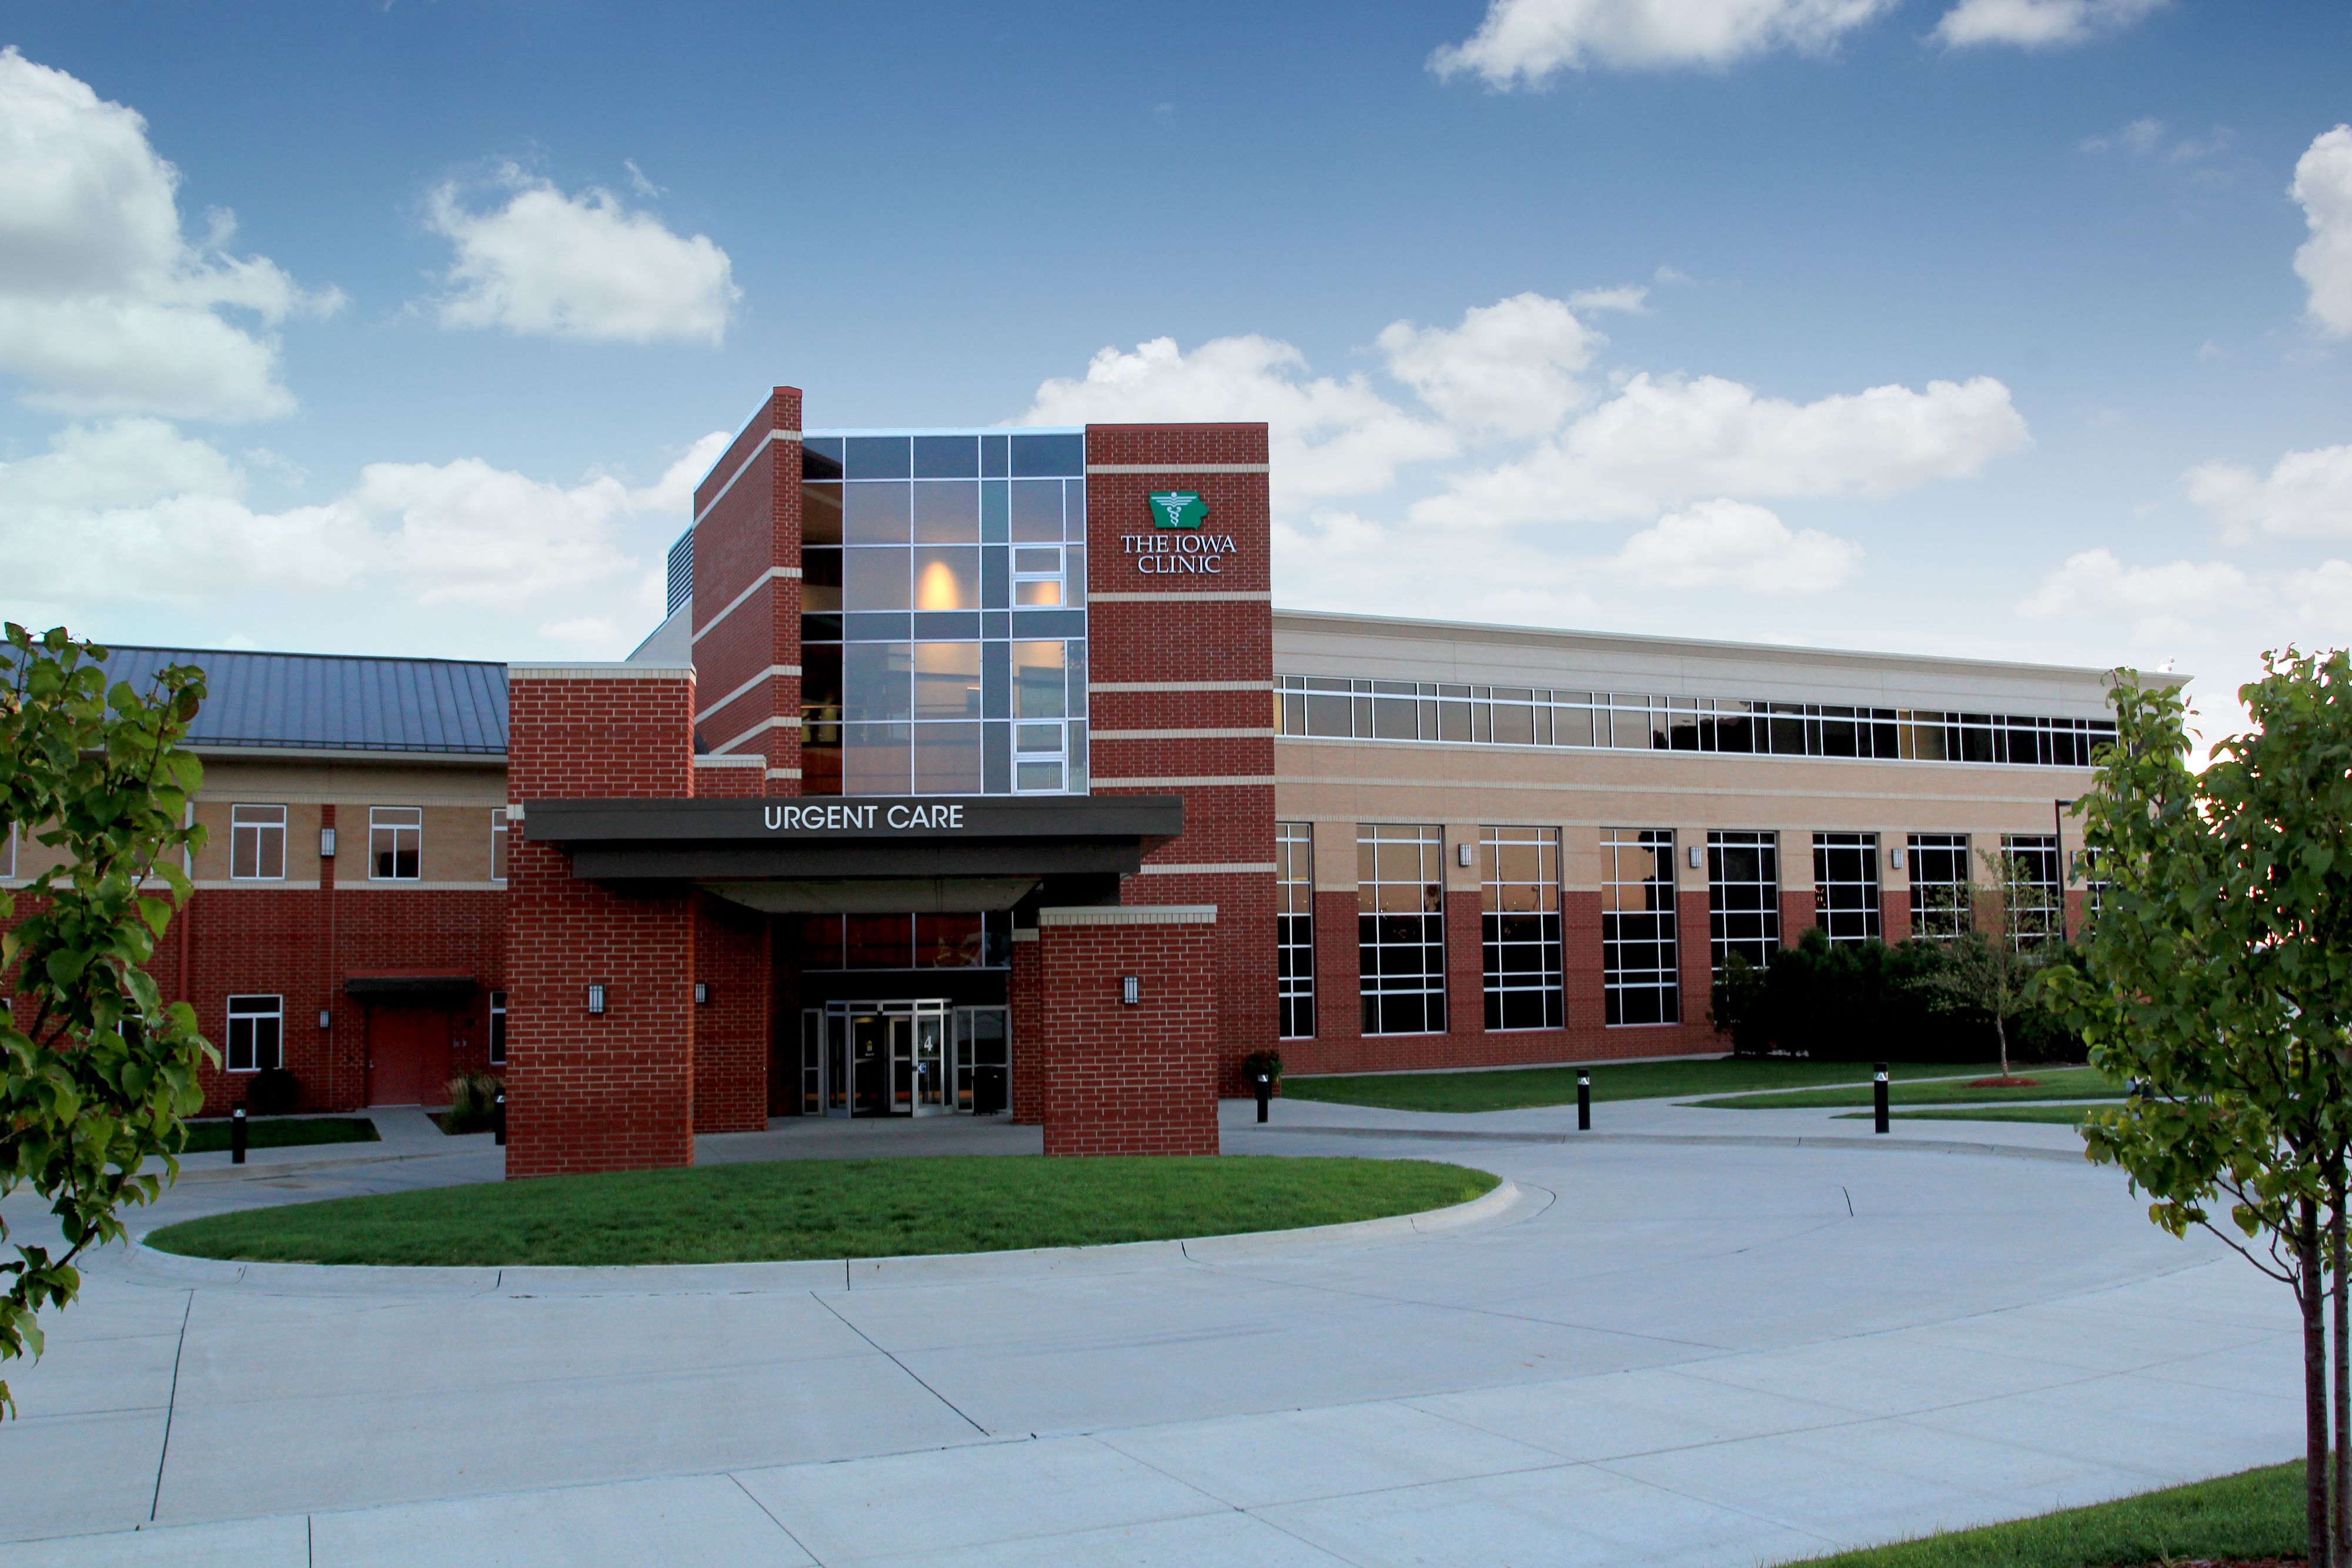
pixel 2000 1032
pixel 2343 1479
pixel 2309 1294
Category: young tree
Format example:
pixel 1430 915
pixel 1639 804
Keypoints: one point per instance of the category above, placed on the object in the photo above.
pixel 1995 979
pixel 2218 980
pixel 94 1081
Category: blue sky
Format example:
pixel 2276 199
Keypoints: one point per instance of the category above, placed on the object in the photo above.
pixel 1969 326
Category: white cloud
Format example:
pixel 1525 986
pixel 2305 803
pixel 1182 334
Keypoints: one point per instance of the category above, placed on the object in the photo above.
pixel 2039 23
pixel 548 264
pixel 1664 441
pixel 2321 601
pixel 105 305
pixel 134 510
pixel 1328 437
pixel 2147 138
pixel 1734 544
pixel 1522 42
pixel 2307 495
pixel 1509 369
pixel 2156 600
pixel 1632 298
pixel 2322 184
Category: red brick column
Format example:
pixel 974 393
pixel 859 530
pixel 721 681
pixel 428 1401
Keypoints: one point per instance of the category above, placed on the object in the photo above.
pixel 1339 990
pixel 1121 1079
pixel 746 594
pixel 1465 967
pixel 611 1091
pixel 1895 914
pixel 1695 967
pixel 1797 916
pixel 1024 995
pixel 730 1028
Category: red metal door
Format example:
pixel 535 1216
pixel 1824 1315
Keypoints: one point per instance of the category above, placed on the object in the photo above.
pixel 408 1056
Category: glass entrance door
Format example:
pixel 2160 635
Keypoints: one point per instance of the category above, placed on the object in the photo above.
pixel 982 1065
pixel 869 1063
pixel 892 1059
pixel 930 1040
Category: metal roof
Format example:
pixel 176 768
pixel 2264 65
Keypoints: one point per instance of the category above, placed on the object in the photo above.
pixel 335 702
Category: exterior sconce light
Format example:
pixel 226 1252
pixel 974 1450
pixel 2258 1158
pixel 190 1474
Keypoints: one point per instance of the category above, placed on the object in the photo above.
pixel 1696 857
pixel 326 1019
pixel 596 999
pixel 702 993
pixel 325 843
pixel 1131 989
pixel 1895 858
pixel 1462 853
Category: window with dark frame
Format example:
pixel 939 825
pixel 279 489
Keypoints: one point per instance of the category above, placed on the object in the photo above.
pixel 1294 851
pixel 256 1033
pixel 257 843
pixel 1641 979
pixel 2033 906
pixel 1743 896
pixel 1846 886
pixel 396 843
pixel 1943 892
pixel 1518 900
pixel 1400 927
pixel 500 839
pixel 497 1029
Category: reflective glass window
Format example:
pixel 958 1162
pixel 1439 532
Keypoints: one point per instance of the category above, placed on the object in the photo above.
pixel 1943 894
pixel 820 515
pixel 1294 849
pixel 947 513
pixel 1042 456
pixel 876 759
pixel 1519 903
pixel 946 759
pixel 1846 886
pixel 1038 690
pixel 876 457
pixel 947 577
pixel 1743 897
pixel 1400 927
pixel 946 680
pixel 1037 511
pixel 1641 979
pixel 876 681
pixel 947 457
pixel 874 578
pixel 875 514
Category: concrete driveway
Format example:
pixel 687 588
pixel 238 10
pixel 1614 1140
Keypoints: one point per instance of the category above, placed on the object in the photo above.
pixel 1676 1349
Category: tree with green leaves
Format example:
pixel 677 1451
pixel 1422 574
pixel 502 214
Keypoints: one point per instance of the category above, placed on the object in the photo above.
pixel 2218 980
pixel 96 1072
pixel 1992 978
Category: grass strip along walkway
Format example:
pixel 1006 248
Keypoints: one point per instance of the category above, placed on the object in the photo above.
pixel 2253 1514
pixel 1519 1088
pixel 2052 1115
pixel 787 1209
pixel 280 1132
pixel 2050 1084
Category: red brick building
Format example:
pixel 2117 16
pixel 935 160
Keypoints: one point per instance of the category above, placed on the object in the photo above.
pixel 973 773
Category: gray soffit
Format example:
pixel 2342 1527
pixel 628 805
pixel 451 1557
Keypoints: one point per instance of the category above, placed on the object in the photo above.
pixel 333 702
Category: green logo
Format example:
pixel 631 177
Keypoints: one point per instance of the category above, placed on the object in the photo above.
pixel 1178 509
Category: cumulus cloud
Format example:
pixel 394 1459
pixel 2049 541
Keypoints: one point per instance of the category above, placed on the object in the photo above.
pixel 585 266
pixel 1328 436
pixel 1509 369
pixel 1735 544
pixel 1523 42
pixel 2157 601
pixel 105 305
pixel 2320 601
pixel 2039 23
pixel 1664 441
pixel 2322 184
pixel 1632 298
pixel 2307 495
pixel 133 509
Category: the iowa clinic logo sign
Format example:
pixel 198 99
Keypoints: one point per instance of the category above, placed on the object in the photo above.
pixel 1179 540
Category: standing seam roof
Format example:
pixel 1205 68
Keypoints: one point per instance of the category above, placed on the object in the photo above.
pixel 335 702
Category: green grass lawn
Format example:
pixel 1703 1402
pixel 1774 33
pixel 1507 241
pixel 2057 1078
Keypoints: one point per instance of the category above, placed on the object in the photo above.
pixel 2053 1083
pixel 2253 1514
pixel 1519 1087
pixel 829 1208
pixel 2056 1115
pixel 280 1132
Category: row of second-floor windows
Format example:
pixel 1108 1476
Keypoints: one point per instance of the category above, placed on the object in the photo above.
pixel 1313 705
pixel 395 842
pixel 2017 897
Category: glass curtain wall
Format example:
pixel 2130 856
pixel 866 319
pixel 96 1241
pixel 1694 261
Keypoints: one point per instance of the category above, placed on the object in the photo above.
pixel 1846 886
pixel 1294 852
pixel 1943 897
pixel 1520 897
pixel 943 628
pixel 1400 927
pixel 1743 896
pixel 1641 979
pixel 2034 908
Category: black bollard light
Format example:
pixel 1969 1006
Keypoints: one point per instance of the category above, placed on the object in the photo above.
pixel 236 1137
pixel 498 1119
pixel 1878 1095
pixel 1583 1101
pixel 1265 1093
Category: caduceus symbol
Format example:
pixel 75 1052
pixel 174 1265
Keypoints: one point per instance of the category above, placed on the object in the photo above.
pixel 1174 507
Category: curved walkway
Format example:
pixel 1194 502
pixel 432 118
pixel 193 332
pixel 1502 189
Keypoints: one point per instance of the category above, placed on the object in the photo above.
pixel 1700 1352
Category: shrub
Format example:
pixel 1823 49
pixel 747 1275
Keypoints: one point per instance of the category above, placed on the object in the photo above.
pixel 273 1092
pixel 473 1102
pixel 1866 1001
pixel 1267 1061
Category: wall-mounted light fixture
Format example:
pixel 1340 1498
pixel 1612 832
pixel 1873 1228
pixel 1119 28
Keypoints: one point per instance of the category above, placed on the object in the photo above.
pixel 702 993
pixel 596 998
pixel 325 843
pixel 1131 989
pixel 1698 857
pixel 1895 857
pixel 326 1019
pixel 1462 852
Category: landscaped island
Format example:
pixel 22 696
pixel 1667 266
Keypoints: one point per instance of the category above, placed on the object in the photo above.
pixel 788 1209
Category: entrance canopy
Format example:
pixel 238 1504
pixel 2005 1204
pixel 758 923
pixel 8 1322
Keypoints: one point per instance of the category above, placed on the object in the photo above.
pixel 849 854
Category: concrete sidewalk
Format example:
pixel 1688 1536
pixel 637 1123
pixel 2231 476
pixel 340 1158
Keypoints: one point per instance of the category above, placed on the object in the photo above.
pixel 1699 1353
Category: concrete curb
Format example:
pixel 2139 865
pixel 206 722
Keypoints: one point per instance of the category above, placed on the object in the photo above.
pixel 1904 1146
pixel 146 1265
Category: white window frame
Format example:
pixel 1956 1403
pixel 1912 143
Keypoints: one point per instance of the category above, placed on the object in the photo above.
pixel 501 845
pixel 395 820
pixel 252 1011
pixel 8 854
pixel 258 823
pixel 1059 576
pixel 497 1029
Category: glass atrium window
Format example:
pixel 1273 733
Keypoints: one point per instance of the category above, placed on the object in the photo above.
pixel 943 625
pixel 1743 896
